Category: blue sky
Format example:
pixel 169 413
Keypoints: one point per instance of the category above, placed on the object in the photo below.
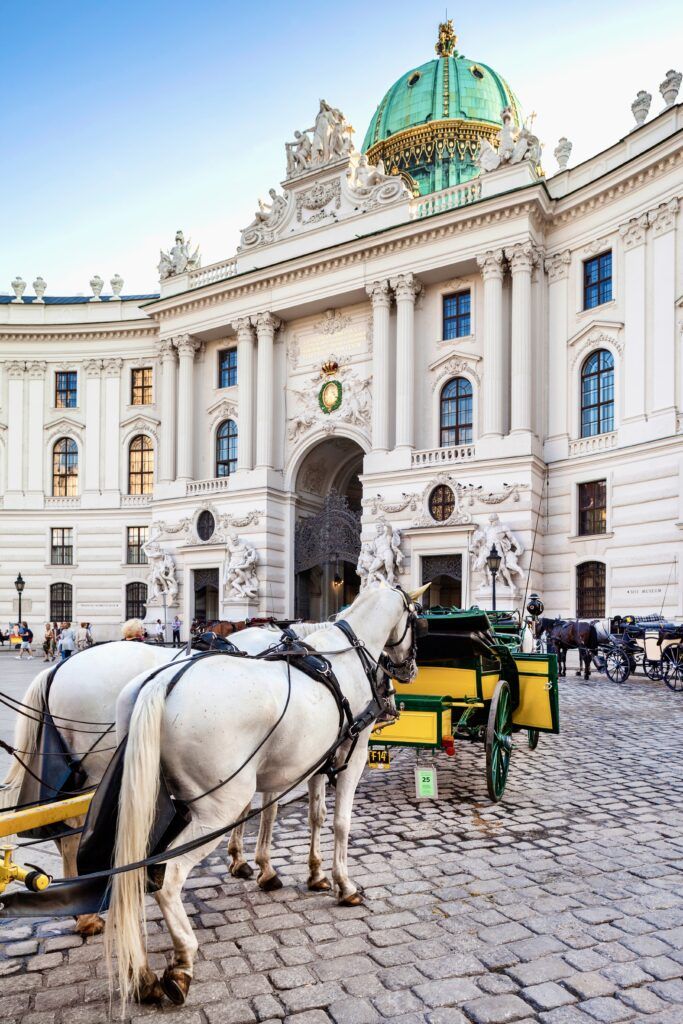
pixel 125 121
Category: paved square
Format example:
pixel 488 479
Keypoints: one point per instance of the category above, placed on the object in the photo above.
pixel 562 905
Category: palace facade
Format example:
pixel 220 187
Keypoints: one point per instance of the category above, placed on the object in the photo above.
pixel 417 337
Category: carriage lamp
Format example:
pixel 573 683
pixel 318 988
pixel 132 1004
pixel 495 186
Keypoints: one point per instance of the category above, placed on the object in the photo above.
pixel 20 583
pixel 535 607
pixel 337 581
pixel 493 560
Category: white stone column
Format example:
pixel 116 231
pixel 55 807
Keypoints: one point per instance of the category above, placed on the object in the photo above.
pixel 187 348
pixel 15 453
pixel 36 416
pixel 633 237
pixel 663 222
pixel 245 392
pixel 380 294
pixel 406 289
pixel 493 396
pixel 92 369
pixel 169 389
pixel 521 258
pixel 557 269
pixel 266 325
pixel 112 423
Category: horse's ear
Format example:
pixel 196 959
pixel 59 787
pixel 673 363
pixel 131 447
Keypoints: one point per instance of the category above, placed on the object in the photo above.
pixel 415 595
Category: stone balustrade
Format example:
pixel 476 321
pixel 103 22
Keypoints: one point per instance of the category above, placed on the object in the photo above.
pixel 57 502
pixel 135 500
pixel 589 445
pixel 217 483
pixel 442 456
pixel 215 272
pixel 446 199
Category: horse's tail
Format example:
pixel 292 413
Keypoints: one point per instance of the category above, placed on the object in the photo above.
pixel 592 638
pixel 25 736
pixel 126 926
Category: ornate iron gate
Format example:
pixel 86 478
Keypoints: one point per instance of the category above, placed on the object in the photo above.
pixel 331 535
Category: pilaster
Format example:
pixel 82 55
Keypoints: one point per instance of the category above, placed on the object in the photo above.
pixel 380 294
pixel 633 237
pixel 406 289
pixel 244 330
pixel 491 266
pixel 266 325
pixel 112 420
pixel 16 448
pixel 521 258
pixel 557 268
pixel 36 412
pixel 662 222
pixel 187 349
pixel 169 386
pixel 92 369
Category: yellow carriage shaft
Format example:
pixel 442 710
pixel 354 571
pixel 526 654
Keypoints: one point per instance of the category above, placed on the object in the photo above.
pixel 12 822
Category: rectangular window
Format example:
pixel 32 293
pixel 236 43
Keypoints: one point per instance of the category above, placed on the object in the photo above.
pixel 136 537
pixel 227 368
pixel 593 507
pixel 456 315
pixel 62 549
pixel 597 281
pixel 141 386
pixel 66 389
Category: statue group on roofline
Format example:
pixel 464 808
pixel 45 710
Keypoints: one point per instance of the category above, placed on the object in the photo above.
pixel 514 146
pixel 328 140
pixel 179 259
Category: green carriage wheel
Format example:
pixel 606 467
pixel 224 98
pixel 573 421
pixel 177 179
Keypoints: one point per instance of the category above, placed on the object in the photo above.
pixel 499 740
pixel 533 736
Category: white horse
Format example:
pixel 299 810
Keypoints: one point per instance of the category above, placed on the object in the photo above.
pixel 86 690
pixel 210 727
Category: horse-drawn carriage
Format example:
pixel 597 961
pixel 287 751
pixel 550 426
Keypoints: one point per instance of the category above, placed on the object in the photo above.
pixel 654 645
pixel 472 685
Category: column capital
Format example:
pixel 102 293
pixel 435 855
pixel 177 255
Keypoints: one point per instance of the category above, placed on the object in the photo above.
pixel 266 323
pixel 406 287
pixel 490 264
pixel 663 218
pixel 15 369
pixel 522 257
pixel 166 349
pixel 557 266
pixel 380 293
pixel 36 369
pixel 92 367
pixel 187 345
pixel 243 328
pixel 112 367
pixel 633 232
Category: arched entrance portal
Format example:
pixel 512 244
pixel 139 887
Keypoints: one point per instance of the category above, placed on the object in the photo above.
pixel 327 534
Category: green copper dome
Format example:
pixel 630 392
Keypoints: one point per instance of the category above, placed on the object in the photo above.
pixel 430 122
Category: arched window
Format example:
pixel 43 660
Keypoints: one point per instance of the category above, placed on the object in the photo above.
pixel 140 465
pixel 456 413
pixel 590 590
pixel 65 468
pixel 226 448
pixel 597 394
pixel 61 602
pixel 136 600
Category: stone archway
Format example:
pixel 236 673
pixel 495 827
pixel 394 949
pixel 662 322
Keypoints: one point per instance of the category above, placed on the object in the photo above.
pixel 328 525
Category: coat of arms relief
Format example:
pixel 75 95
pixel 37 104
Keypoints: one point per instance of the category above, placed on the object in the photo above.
pixel 334 394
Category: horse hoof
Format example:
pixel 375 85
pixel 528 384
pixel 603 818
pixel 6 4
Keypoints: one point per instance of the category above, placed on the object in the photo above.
pixel 243 870
pixel 270 884
pixel 319 885
pixel 176 983
pixel 149 989
pixel 89 924
pixel 355 899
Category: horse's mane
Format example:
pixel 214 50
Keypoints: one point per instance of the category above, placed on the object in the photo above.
pixel 304 629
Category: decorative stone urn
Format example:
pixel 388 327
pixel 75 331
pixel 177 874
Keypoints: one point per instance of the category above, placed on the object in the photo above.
pixel 97 284
pixel 670 86
pixel 18 287
pixel 562 152
pixel 39 286
pixel 116 283
pixel 641 107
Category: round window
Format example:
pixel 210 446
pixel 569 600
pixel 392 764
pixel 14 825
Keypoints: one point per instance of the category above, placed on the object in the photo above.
pixel 441 503
pixel 206 525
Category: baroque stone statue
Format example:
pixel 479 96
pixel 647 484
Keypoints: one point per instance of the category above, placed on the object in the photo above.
pixel 239 569
pixel 514 146
pixel 507 545
pixel 381 558
pixel 161 579
pixel 266 219
pixel 179 259
pixel 329 139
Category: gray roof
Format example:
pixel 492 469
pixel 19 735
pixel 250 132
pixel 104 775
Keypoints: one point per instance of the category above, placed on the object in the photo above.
pixel 66 300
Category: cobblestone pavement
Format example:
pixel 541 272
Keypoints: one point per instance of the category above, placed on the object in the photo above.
pixel 562 905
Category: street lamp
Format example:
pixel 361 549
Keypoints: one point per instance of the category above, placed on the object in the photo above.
pixel 19 583
pixel 493 561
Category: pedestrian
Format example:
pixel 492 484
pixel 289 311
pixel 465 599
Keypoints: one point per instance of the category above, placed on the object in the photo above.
pixel 89 638
pixel 160 632
pixel 48 642
pixel 133 629
pixel 26 640
pixel 175 626
pixel 67 641
pixel 81 636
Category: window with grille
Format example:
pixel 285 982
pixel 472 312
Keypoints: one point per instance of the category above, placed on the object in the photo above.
pixel 441 503
pixel 597 281
pixel 226 448
pixel 141 386
pixel 136 536
pixel 456 413
pixel 590 590
pixel 456 315
pixel 593 507
pixel 61 546
pixel 66 389
pixel 65 468
pixel 597 394
pixel 140 465
pixel 61 602
pixel 136 600
pixel 227 368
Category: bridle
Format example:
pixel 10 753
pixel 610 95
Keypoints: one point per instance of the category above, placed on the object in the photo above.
pixel 401 671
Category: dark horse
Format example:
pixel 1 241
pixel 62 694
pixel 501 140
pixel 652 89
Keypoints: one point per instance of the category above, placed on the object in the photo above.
pixel 570 634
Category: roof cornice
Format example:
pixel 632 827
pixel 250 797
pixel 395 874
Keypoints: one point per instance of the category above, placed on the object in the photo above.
pixel 106 331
